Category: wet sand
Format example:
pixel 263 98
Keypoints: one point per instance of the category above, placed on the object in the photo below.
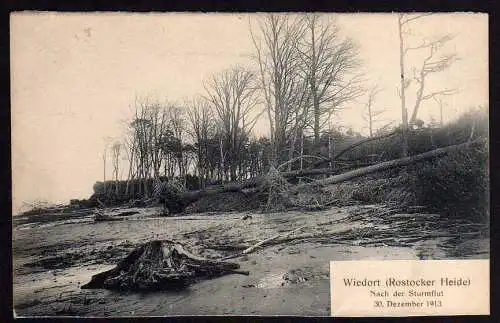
pixel 52 259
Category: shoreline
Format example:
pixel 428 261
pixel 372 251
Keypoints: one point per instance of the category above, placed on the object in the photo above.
pixel 292 278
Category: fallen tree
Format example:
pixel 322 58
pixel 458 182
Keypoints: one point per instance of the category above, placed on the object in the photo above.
pixel 388 165
pixel 349 148
pixel 176 201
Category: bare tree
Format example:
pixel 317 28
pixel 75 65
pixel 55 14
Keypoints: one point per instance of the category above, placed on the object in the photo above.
pixel 431 64
pixel 116 150
pixel 201 130
pixel 158 125
pixel 130 147
pixel 232 95
pixel 105 152
pixel 371 114
pixel 282 87
pixel 404 85
pixel 177 124
pixel 156 139
pixel 439 100
pixel 141 127
pixel 328 64
pixel 104 158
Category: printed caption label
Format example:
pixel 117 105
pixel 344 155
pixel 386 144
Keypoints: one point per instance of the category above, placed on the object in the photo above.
pixel 409 287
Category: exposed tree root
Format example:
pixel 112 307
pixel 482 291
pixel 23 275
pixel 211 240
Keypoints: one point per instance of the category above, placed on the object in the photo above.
pixel 160 264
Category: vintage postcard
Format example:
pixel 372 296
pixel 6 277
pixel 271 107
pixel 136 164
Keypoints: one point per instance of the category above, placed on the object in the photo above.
pixel 318 164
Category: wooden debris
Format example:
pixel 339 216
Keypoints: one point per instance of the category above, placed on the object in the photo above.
pixel 126 213
pixel 100 216
pixel 263 242
pixel 100 203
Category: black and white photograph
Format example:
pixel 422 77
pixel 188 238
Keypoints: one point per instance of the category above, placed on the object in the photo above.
pixel 185 164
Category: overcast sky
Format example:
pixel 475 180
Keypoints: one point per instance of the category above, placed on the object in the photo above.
pixel 75 78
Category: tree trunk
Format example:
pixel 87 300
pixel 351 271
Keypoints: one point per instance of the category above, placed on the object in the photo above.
pixel 301 149
pixel 370 120
pixel 316 122
pixel 330 150
pixel 441 113
pixel 387 165
pixel 292 149
pixel 104 170
pixel 404 112
pixel 343 151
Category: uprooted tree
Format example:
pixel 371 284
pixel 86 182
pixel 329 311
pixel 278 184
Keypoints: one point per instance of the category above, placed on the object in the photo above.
pixel 176 201
pixel 160 264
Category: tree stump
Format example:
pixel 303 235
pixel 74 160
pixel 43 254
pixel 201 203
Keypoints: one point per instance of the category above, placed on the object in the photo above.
pixel 158 265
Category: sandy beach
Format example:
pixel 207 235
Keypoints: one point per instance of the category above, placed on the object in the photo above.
pixel 52 259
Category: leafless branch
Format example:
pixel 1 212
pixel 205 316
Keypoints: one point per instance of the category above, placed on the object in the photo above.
pixel 419 16
pixel 438 93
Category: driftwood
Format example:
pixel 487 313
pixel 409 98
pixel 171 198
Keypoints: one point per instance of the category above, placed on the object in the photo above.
pixel 263 242
pixel 287 237
pixel 160 264
pixel 176 202
pixel 126 213
pixel 101 216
